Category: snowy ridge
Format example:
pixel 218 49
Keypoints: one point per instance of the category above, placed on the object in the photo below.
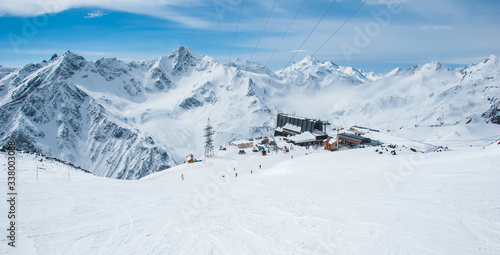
pixel 326 73
pixel 47 113
pixel 4 71
pixel 126 120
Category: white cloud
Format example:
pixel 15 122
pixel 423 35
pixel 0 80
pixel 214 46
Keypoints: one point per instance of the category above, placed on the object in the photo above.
pixel 159 8
pixel 95 14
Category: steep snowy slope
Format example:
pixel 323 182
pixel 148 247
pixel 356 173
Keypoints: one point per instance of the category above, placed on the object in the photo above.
pixel 125 120
pixel 44 111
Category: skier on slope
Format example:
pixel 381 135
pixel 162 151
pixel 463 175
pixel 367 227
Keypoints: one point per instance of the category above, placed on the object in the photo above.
pixel 182 176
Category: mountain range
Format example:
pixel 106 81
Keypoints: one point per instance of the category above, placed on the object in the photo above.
pixel 126 120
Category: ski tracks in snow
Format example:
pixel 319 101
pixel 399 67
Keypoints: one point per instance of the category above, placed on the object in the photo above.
pixel 103 237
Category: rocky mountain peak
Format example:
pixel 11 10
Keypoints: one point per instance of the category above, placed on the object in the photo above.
pixel 433 66
pixel 491 58
pixel 182 59
pixel 69 65
pixel 250 66
pixel 54 57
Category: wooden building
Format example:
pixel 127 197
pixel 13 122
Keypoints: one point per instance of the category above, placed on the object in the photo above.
pixel 190 158
pixel 330 144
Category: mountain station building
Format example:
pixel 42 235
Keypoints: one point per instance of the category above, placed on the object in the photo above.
pixel 299 130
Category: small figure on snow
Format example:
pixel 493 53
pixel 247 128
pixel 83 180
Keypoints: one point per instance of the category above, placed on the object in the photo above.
pixel 251 171
pixel 236 175
pixel 182 176
pixel 260 167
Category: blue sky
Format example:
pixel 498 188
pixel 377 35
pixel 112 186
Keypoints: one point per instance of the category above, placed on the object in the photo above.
pixel 382 35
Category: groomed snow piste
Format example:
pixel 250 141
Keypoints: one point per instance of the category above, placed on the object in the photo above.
pixel 316 202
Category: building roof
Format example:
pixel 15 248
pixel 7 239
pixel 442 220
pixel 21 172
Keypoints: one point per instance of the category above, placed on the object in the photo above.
pixel 358 130
pixel 301 118
pixel 316 132
pixel 330 140
pixel 353 138
pixel 292 128
pixel 292 116
pixel 303 138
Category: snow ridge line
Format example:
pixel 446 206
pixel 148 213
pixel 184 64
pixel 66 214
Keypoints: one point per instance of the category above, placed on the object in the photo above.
pixel 53 160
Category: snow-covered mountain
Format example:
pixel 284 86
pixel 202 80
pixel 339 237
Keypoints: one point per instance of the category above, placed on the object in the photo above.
pixel 114 117
pixel 312 72
pixel 126 120
pixel 44 110
pixel 428 95
pixel 6 70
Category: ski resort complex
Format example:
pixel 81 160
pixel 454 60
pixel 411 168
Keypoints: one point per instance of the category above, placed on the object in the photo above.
pixel 250 127
pixel 366 176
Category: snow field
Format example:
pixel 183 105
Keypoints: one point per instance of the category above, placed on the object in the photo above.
pixel 347 202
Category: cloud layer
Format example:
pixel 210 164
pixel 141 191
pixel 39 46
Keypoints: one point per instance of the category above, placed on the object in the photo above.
pixel 417 32
pixel 159 8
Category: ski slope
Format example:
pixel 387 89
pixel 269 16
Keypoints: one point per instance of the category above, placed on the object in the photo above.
pixel 318 202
